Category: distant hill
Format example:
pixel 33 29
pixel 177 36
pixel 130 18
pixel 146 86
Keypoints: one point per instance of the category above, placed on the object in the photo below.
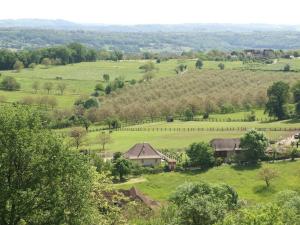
pixel 197 27
pixel 36 33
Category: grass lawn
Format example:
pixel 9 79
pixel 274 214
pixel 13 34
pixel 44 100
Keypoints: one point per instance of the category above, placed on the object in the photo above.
pixel 244 179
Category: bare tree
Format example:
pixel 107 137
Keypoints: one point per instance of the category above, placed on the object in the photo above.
pixel 48 86
pixel 104 139
pixel 61 87
pixel 36 86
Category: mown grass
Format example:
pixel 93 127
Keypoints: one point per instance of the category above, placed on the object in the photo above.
pixel 164 135
pixel 244 179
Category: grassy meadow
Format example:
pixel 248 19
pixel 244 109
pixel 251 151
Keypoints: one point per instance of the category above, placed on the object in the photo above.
pixel 171 138
pixel 82 77
pixel 244 179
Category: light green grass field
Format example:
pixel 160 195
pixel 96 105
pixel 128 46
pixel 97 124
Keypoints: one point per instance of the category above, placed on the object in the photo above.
pixel 244 180
pixel 179 139
pixel 81 78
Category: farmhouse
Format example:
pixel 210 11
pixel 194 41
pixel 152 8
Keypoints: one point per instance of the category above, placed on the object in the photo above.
pixel 225 148
pixel 145 155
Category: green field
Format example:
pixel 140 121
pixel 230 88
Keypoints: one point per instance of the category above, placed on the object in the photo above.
pixel 244 180
pixel 165 135
pixel 82 77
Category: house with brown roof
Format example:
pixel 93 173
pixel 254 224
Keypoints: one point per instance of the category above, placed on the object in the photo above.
pixel 225 148
pixel 145 155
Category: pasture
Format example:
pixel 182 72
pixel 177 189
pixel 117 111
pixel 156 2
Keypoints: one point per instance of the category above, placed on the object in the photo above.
pixel 244 179
pixel 179 134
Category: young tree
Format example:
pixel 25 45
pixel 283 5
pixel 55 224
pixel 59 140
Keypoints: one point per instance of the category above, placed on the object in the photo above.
pixel 148 67
pixel 46 62
pixel 10 84
pixel 278 95
pixel 61 87
pixel 35 86
pixel 106 77
pixel 78 135
pixel 48 86
pixel 296 96
pixel 18 66
pixel 199 64
pixel 254 144
pixel 32 66
pixel 221 66
pixel 148 76
pixel 201 154
pixel 267 174
pixel 104 139
pixel 287 68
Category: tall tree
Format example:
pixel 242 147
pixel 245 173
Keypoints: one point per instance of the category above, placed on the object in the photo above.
pixel 42 182
pixel 278 95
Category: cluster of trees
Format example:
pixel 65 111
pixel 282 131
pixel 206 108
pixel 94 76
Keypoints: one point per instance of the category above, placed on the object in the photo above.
pixel 279 98
pixel 60 55
pixel 207 204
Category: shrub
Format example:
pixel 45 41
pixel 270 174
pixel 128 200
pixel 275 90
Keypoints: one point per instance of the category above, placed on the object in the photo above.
pixel 10 84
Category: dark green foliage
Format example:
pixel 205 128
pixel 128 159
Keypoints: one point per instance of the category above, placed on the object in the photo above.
pixel 221 66
pixel 9 84
pixel 201 154
pixel 254 145
pixel 121 168
pixel 88 103
pixel 278 95
pixel 188 115
pixel 60 55
pixel 199 64
pixel 106 77
pixel 287 68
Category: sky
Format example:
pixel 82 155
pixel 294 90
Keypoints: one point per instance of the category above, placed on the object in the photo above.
pixel 156 11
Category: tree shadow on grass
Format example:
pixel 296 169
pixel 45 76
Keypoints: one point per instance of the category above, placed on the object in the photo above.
pixel 246 167
pixel 264 190
pixel 194 172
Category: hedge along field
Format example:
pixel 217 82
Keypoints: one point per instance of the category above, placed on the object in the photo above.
pixel 81 78
pixel 252 189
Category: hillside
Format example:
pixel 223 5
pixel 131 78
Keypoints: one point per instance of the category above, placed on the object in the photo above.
pixel 200 91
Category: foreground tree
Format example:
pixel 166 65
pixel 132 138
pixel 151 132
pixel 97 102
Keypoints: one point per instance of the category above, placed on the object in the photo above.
pixel 41 181
pixel 254 144
pixel 201 154
pixel 202 203
pixel 278 95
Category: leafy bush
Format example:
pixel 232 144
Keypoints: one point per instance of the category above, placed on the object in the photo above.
pixel 10 84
